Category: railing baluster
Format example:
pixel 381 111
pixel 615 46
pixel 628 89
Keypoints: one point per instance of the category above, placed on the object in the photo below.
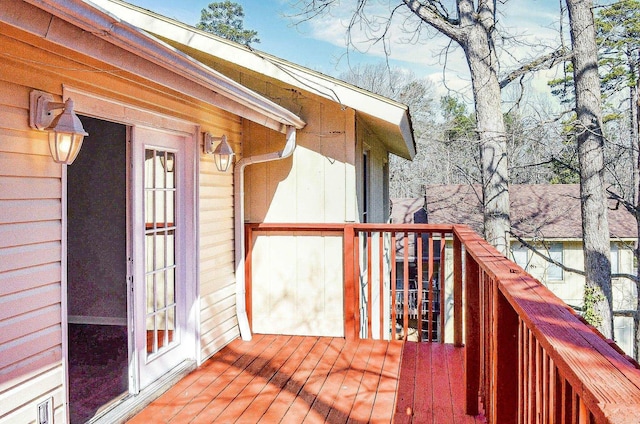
pixel 381 290
pixel 430 288
pixel 369 285
pixel 457 292
pixel 419 296
pixel 472 344
pixel 405 287
pixel 393 301
pixel 441 285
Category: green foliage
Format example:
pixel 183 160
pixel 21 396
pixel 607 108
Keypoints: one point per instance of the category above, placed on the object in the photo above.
pixel 460 124
pixel 592 296
pixel 618 31
pixel 225 19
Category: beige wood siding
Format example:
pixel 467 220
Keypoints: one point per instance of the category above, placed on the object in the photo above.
pixel 32 295
pixel 298 285
pixel 30 264
pixel 377 193
pixel 301 292
pixel 218 321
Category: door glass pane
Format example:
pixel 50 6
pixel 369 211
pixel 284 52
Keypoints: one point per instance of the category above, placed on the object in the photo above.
pixel 160 206
pixel 171 175
pixel 171 286
pixel 150 293
pixel 171 323
pixel 160 298
pixel 171 240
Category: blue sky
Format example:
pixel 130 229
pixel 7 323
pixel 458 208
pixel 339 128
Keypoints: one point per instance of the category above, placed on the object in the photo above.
pixel 320 44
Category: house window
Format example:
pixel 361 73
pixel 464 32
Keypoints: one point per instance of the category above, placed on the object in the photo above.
pixel 365 186
pixel 554 272
pixel 520 255
pixel 615 258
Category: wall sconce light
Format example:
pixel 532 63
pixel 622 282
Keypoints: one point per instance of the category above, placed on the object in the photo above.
pixel 222 154
pixel 65 130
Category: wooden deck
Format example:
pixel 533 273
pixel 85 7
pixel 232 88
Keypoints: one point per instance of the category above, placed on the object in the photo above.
pixel 285 379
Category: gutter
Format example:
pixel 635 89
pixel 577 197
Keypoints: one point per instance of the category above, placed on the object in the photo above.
pixel 219 89
pixel 238 199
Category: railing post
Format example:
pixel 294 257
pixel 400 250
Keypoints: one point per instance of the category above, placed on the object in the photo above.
pixel 457 291
pixel 350 298
pixel 472 334
pixel 505 364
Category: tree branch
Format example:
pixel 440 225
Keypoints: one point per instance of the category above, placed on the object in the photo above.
pixel 543 62
pixel 437 17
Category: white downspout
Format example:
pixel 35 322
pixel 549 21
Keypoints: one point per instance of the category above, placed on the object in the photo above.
pixel 238 199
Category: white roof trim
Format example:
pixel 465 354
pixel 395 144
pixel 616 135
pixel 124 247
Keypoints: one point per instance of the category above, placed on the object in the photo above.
pixel 378 107
pixel 215 88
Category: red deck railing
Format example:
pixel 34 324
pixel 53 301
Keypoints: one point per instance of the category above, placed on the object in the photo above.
pixel 528 357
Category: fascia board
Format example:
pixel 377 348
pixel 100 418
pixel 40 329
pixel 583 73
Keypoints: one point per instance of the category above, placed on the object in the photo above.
pixel 373 105
pixel 210 86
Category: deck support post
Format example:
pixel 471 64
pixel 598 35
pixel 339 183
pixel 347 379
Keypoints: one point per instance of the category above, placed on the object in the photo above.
pixel 472 335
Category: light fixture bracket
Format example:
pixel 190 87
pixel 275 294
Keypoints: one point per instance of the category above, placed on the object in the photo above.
pixel 40 106
pixel 66 132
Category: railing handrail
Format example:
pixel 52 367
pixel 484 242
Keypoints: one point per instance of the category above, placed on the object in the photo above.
pixel 607 382
pixel 519 314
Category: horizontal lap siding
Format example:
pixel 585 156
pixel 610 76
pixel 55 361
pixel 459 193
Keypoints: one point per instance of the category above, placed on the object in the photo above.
pixel 30 264
pixel 31 207
pixel 218 321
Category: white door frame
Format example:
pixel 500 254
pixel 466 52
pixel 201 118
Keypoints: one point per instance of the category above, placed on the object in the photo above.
pixel 96 106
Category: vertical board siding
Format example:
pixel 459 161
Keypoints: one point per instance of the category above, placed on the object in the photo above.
pixel 294 289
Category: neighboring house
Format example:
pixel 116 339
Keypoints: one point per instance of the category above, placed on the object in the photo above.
pixel 547 218
pixel 338 172
pixel 126 256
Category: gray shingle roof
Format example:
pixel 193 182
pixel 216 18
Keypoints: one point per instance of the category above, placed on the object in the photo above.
pixel 542 210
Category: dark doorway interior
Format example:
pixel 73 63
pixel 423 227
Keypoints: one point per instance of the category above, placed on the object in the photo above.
pixel 97 270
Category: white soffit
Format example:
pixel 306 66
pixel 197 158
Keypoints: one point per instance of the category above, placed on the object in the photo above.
pixel 201 82
pixel 388 118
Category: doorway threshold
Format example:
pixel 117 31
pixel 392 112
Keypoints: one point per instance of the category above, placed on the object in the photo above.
pixel 126 407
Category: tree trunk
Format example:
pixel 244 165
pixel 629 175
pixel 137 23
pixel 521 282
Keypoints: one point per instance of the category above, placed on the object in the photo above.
pixel 483 65
pixel 595 226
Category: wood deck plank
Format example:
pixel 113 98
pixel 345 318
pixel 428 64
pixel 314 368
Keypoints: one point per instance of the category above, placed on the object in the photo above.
pixel 363 405
pixel 305 394
pixel 285 397
pixel 319 380
pixel 250 382
pixel 204 403
pixel 269 391
pixel 346 396
pixel 423 406
pixel 442 400
pixel 385 402
pixel 183 392
pixel 329 391
pixel 407 384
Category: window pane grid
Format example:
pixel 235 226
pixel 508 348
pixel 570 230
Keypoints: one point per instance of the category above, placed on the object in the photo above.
pixel 160 229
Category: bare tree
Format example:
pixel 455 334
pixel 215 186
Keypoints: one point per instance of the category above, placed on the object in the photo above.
pixel 590 140
pixel 472 25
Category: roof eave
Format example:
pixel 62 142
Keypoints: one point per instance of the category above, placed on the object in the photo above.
pixel 213 85
pixel 378 110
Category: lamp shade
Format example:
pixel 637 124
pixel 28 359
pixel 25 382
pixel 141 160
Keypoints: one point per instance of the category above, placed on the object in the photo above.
pixel 66 135
pixel 223 155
